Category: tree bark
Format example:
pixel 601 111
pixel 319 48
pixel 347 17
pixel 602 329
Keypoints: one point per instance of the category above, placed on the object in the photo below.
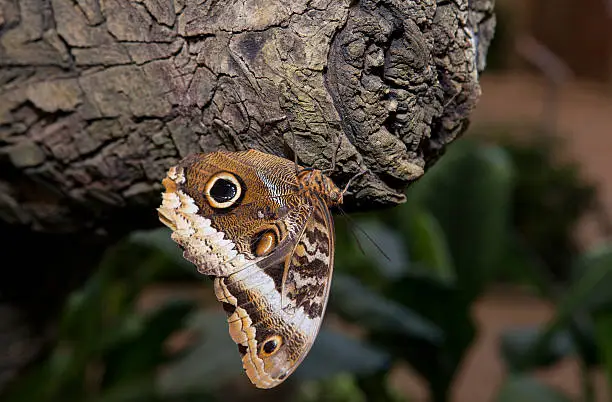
pixel 99 97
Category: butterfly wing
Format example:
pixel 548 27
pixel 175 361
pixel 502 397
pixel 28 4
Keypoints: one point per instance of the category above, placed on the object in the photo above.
pixel 275 307
pixel 218 235
pixel 268 245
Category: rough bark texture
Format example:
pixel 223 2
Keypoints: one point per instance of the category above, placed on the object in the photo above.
pixel 99 97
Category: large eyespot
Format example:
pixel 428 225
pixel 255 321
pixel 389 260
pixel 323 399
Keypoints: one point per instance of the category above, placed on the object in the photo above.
pixel 271 345
pixel 223 190
pixel 264 242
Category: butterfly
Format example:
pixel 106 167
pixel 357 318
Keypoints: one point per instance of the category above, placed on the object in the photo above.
pixel 260 226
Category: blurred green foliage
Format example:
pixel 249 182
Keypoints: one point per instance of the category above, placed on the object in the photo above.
pixel 481 212
pixel 549 199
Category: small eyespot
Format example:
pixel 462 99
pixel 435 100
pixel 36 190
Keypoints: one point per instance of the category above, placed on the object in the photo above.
pixel 264 242
pixel 271 345
pixel 222 190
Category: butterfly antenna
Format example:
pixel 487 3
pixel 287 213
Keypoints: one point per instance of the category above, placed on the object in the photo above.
pixel 351 180
pixel 354 225
pixel 352 228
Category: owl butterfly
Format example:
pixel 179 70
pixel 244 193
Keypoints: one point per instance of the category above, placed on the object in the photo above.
pixel 261 227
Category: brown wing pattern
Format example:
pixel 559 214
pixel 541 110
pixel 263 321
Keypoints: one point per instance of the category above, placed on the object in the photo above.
pixel 270 249
pixel 309 268
pixel 281 300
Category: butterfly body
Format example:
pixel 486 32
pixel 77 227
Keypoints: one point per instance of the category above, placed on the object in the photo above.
pixel 262 228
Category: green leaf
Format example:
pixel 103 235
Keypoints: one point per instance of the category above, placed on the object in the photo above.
pixel 468 192
pixel 109 294
pixel 349 258
pixel 580 296
pixel 374 312
pixel 516 342
pixel 159 239
pixel 603 331
pixel 528 389
pixel 34 385
pixel 340 388
pixel 138 344
pixel 550 198
pixel 388 254
pixel 427 244
pixel 377 388
pixel 82 316
pixel 520 265
pixel 597 261
pixel 334 353
pixel 209 365
pixel 445 306
pixel 140 388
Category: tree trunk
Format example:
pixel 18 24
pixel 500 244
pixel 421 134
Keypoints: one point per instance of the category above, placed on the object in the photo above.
pixel 99 97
